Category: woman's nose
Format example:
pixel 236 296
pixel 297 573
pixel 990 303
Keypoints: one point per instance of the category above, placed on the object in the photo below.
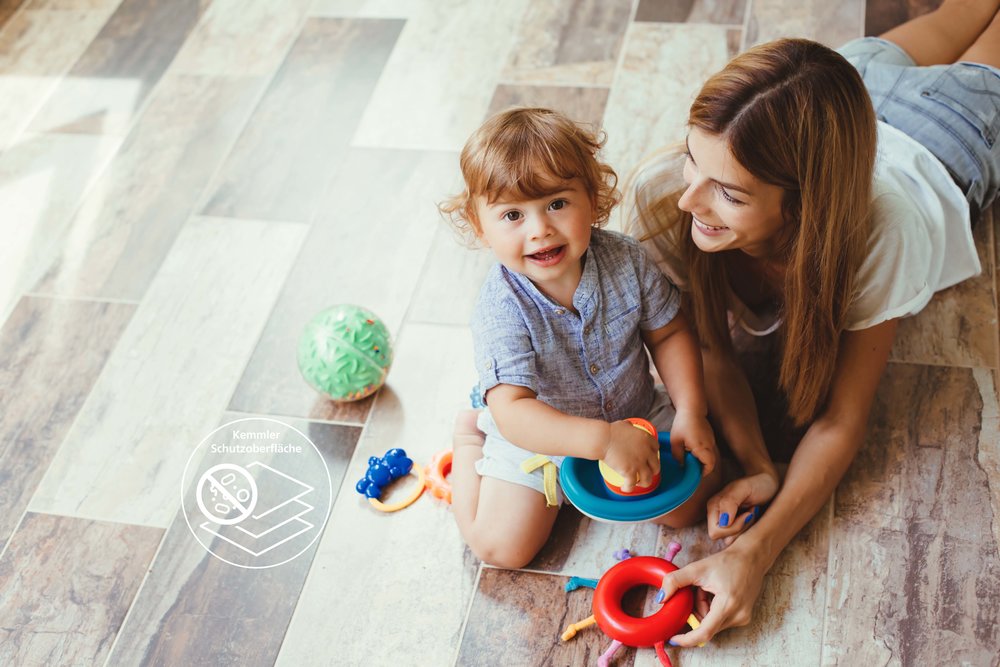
pixel 690 199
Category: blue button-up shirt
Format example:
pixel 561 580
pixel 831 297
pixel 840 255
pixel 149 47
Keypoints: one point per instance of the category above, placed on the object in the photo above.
pixel 592 364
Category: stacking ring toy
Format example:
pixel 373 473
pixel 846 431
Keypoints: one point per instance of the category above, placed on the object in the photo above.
pixel 584 487
pixel 629 630
pixel 613 480
pixel 418 488
pixel 437 475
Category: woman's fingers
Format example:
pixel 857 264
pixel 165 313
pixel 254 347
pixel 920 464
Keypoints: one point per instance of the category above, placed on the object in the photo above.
pixel 711 624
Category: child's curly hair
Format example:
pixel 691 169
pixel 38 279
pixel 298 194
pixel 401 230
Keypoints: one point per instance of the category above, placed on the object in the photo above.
pixel 528 153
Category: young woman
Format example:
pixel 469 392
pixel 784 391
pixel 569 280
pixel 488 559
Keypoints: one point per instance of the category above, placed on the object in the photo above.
pixel 825 195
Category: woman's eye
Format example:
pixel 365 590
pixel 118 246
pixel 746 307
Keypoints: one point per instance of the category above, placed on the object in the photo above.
pixel 728 197
pixel 558 204
pixel 512 216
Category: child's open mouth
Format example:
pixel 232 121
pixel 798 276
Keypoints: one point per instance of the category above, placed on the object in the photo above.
pixel 549 256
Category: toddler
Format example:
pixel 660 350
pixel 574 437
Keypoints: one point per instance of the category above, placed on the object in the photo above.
pixel 560 330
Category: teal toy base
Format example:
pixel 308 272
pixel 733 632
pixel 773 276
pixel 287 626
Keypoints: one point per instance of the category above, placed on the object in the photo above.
pixel 583 486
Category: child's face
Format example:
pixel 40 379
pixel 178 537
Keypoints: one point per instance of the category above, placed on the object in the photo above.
pixel 731 208
pixel 543 238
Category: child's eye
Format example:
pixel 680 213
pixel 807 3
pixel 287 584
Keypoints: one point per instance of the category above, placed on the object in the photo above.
pixel 512 216
pixel 728 197
pixel 558 204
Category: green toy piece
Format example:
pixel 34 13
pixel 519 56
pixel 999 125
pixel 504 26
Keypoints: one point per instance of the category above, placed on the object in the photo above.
pixel 345 352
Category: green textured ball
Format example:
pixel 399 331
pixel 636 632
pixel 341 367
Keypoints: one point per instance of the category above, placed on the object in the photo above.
pixel 345 352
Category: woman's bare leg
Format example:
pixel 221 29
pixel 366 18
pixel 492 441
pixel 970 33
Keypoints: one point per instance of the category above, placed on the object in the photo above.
pixel 986 49
pixel 943 35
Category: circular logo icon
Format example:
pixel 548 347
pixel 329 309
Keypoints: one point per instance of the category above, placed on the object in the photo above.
pixel 256 492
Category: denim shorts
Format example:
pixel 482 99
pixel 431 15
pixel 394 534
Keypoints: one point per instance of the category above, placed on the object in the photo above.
pixel 952 110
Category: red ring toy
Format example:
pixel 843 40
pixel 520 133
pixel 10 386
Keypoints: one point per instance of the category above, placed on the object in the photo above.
pixel 640 632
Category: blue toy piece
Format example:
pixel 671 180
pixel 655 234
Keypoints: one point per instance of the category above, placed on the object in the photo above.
pixel 584 487
pixel 382 471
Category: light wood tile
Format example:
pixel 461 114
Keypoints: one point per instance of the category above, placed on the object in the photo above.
pixel 67 585
pixel 959 326
pixel 425 576
pixel 915 562
pixel 172 373
pixel 692 11
pixel 570 42
pixel 649 102
pixel 450 281
pixel 365 248
pixel 517 619
pixel 52 352
pixel 241 38
pixel 299 131
pixel 440 78
pixel 43 178
pixel 105 90
pixel 20 98
pixel 131 217
pixel 371 9
pixel 832 23
pixel 196 609
pixel 42 42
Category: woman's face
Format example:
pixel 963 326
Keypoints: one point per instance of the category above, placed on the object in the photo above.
pixel 731 208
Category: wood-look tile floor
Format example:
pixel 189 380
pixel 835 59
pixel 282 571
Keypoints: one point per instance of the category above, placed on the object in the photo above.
pixel 184 183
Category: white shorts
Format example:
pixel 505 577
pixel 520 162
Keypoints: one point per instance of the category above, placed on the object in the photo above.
pixel 502 459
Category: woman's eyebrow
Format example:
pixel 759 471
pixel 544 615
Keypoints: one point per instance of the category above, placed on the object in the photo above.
pixel 728 186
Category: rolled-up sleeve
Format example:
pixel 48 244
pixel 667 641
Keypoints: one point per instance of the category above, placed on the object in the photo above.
pixel 503 349
pixel 661 300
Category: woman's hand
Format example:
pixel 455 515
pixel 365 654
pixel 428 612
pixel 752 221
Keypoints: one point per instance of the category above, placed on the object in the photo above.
pixel 739 504
pixel 632 453
pixel 734 576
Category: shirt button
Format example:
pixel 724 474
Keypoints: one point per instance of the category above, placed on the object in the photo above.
pixel 586 331
pixel 560 311
pixel 593 369
pixel 489 365
pixel 608 405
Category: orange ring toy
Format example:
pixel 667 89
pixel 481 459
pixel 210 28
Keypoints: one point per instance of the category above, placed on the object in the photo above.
pixel 627 629
pixel 437 475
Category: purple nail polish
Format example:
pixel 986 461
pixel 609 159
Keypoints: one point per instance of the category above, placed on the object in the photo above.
pixel 748 519
pixel 756 511
pixel 660 596
pixel 673 643
pixel 724 519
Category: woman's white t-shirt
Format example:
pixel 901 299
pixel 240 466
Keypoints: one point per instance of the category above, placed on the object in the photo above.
pixel 921 240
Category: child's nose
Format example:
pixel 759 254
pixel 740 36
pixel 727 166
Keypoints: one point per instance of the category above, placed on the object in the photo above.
pixel 541 226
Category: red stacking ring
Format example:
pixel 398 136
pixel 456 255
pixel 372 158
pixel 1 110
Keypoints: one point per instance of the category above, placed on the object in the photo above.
pixel 640 632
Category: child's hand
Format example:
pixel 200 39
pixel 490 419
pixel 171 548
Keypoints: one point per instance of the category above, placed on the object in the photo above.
pixel 633 453
pixel 692 432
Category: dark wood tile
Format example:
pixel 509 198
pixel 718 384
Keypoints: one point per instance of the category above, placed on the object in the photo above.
pixel 8 7
pixel 584 105
pixel 131 53
pixel 914 549
pixel 517 618
pixel 692 11
pixel 128 223
pixel 51 352
pixel 347 259
pixel 301 128
pixel 883 15
pixel 195 608
pixel 67 585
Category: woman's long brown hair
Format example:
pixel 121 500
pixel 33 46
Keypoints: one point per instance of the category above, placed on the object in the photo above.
pixel 795 114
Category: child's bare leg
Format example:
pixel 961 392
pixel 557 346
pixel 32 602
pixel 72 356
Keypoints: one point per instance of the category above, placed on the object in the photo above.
pixel 943 35
pixel 693 510
pixel 986 49
pixel 504 524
